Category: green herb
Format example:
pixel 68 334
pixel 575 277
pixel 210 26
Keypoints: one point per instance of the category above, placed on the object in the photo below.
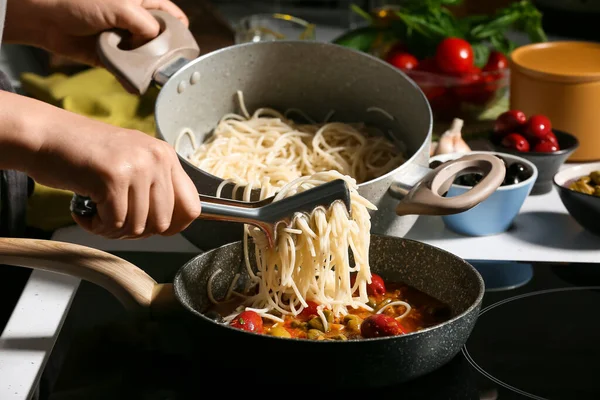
pixel 422 24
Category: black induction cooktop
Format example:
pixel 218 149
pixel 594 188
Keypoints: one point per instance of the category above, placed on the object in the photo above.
pixel 537 337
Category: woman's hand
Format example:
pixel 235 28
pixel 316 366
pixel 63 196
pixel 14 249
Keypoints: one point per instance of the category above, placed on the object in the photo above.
pixel 137 181
pixel 70 27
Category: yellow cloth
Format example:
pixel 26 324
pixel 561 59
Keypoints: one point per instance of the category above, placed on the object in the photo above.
pixel 94 93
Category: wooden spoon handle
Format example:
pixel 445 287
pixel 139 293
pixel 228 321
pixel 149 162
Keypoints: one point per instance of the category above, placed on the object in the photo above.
pixel 128 283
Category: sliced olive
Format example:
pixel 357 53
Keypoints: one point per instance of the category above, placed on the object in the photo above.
pixel 279 331
pixel 299 324
pixel 382 304
pixel 316 323
pixel 584 179
pixel 595 176
pixel 314 334
pixel 328 316
pixel 582 187
pixel 371 303
pixel 350 317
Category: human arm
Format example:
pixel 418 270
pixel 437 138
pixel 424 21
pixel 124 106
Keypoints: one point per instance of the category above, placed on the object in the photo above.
pixel 137 181
pixel 70 27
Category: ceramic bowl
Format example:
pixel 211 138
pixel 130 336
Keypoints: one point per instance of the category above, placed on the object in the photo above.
pixel 547 164
pixel 495 214
pixel 584 208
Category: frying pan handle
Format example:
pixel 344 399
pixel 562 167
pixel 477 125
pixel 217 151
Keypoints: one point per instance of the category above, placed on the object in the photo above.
pixel 425 198
pixel 128 283
pixel 137 68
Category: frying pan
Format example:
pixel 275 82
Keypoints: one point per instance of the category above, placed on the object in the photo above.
pixel 196 92
pixel 355 363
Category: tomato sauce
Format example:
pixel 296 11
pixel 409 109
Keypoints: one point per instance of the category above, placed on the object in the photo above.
pixel 425 312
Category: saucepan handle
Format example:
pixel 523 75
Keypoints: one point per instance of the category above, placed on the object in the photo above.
pixel 128 283
pixel 426 197
pixel 137 68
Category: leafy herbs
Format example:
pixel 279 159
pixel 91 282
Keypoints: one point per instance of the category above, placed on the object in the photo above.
pixel 422 24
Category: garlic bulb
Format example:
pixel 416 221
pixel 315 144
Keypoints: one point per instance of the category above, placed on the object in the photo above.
pixel 451 141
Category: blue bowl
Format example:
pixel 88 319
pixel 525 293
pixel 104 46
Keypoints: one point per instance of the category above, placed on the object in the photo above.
pixel 495 214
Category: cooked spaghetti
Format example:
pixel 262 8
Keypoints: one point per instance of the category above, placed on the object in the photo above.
pixel 310 263
pixel 268 150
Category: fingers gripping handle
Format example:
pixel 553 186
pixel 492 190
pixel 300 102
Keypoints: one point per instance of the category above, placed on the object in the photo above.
pixel 136 68
pixel 426 197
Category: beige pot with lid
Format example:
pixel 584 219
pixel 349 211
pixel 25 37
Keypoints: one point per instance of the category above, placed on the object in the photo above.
pixel 562 81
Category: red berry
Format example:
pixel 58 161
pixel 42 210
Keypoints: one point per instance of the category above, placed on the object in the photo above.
pixel 545 146
pixel 538 127
pixel 248 321
pixel 454 55
pixel 515 141
pixel 509 121
pixel 403 61
pixel 551 137
pixel 496 62
pixel 379 325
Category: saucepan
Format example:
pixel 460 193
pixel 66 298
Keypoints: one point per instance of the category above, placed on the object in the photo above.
pixel 196 92
pixel 272 360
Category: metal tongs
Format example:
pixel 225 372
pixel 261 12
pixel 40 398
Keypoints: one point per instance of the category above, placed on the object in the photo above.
pixel 266 214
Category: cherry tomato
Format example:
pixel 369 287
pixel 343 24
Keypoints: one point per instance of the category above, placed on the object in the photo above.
pixel 402 60
pixel 509 121
pixel 538 127
pixel 496 62
pixel 515 141
pixel 545 146
pixel 471 88
pixel 309 311
pixel 375 288
pixel 551 137
pixel 428 65
pixel 454 56
pixel 248 321
pixel 379 325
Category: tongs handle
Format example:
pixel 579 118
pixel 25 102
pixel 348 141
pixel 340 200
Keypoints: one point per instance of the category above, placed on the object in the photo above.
pixel 220 209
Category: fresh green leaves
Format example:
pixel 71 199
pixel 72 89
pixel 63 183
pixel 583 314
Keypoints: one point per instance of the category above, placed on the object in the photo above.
pixel 422 24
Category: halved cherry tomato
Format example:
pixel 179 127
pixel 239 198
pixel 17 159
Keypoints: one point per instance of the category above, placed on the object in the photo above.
pixel 248 321
pixel 402 60
pixel 309 311
pixel 376 287
pixel 379 325
pixel 496 62
pixel 454 56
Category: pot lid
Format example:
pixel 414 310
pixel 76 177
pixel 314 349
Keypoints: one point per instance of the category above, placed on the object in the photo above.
pixel 570 61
